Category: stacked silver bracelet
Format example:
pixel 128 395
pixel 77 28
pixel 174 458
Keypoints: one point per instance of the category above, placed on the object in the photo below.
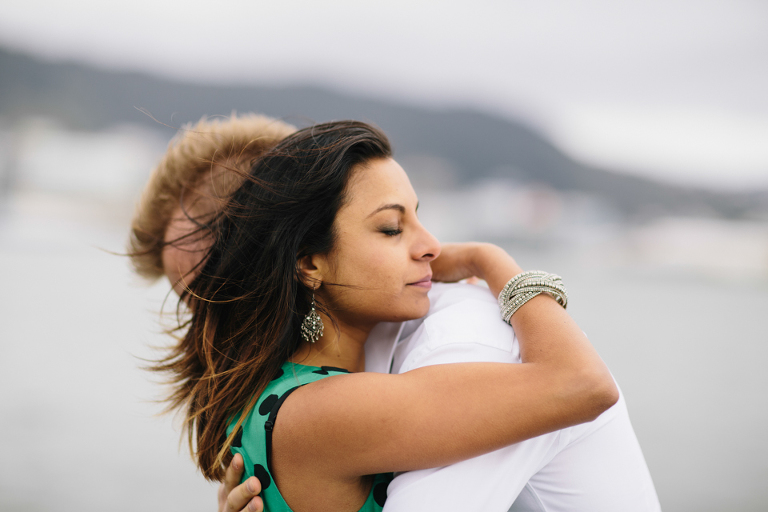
pixel 523 287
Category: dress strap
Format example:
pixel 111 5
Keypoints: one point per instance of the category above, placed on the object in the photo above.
pixel 269 425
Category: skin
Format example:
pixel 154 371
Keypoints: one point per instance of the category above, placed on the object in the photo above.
pixel 244 497
pixel 181 258
pixel 385 254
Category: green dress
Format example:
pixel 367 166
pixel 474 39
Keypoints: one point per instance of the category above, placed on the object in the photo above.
pixel 255 439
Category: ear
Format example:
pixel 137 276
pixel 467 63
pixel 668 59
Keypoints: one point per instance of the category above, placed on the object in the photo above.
pixel 312 270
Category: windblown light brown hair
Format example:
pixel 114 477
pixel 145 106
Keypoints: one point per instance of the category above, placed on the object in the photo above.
pixel 248 300
pixel 200 158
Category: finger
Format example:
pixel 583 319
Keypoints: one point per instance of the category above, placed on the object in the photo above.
pixel 233 474
pixel 239 498
pixel 232 477
pixel 472 280
pixel 255 505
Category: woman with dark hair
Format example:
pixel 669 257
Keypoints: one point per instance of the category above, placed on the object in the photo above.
pixel 319 244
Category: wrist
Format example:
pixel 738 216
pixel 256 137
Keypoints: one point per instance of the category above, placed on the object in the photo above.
pixel 493 264
pixel 478 259
pixel 487 259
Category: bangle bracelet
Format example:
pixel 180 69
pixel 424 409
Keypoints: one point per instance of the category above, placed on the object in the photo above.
pixel 525 286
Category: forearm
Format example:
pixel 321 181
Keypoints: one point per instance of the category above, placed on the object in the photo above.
pixel 549 338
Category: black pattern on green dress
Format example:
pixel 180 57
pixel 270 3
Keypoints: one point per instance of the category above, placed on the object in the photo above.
pixel 251 441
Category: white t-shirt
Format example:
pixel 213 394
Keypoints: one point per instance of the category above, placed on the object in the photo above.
pixel 595 467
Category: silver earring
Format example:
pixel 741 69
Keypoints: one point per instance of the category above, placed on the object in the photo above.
pixel 312 326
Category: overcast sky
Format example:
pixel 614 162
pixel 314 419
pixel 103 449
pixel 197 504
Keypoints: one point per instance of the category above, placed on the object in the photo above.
pixel 674 89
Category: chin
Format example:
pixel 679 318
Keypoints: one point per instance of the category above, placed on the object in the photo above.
pixel 420 309
pixel 401 309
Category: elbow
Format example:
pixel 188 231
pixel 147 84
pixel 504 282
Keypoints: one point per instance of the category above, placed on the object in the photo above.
pixel 596 392
pixel 606 393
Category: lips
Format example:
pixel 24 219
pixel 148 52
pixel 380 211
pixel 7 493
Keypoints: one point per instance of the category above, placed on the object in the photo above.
pixel 425 282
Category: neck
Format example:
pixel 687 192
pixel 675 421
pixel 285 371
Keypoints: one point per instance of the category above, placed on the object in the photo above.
pixel 342 348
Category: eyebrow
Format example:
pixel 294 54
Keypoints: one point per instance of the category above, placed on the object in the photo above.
pixel 391 206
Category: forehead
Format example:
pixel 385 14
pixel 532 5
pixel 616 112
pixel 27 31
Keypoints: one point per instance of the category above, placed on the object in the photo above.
pixel 377 182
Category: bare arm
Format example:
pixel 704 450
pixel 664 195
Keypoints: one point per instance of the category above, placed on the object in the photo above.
pixel 438 415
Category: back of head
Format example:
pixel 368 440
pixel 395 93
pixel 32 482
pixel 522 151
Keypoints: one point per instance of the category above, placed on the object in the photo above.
pixel 203 165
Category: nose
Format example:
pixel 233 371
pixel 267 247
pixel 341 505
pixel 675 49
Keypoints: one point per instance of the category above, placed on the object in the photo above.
pixel 427 247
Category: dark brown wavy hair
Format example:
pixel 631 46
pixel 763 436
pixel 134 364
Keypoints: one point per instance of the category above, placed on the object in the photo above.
pixel 248 301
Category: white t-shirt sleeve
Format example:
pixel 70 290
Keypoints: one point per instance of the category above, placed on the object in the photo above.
pixel 469 331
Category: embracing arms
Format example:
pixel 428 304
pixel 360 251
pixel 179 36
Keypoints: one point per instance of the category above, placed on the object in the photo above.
pixel 436 415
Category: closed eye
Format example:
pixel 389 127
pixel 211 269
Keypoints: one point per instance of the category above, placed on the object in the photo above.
pixel 392 232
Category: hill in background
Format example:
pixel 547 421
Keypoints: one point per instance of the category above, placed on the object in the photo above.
pixel 442 148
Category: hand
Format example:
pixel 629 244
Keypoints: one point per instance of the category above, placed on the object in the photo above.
pixel 239 498
pixel 456 262
pixel 465 260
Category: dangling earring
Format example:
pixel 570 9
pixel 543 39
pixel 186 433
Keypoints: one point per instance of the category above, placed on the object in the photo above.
pixel 312 326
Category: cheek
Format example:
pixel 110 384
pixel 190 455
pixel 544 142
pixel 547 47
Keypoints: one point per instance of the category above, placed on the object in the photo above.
pixel 372 267
pixel 377 290
pixel 182 261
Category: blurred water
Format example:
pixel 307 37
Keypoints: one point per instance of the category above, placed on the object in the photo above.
pixel 78 429
pixel 77 425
